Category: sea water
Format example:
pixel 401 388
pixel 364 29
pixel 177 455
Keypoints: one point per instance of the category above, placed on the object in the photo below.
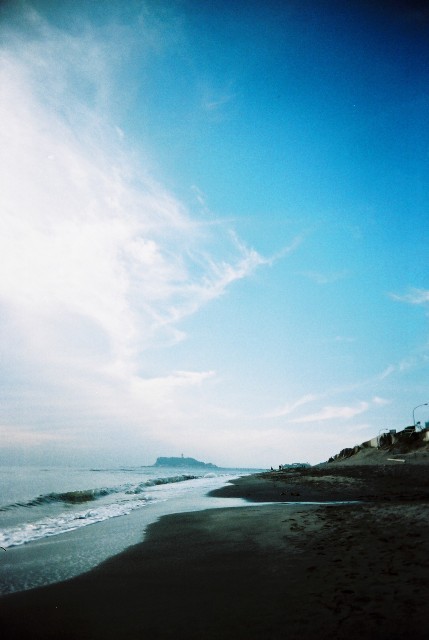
pixel 56 523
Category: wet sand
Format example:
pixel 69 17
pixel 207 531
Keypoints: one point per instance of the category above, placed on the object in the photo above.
pixel 258 572
pixel 367 483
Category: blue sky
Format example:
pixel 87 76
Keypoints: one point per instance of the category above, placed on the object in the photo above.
pixel 214 229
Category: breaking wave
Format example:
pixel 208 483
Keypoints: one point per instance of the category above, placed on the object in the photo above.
pixel 88 495
pixel 69 497
pixel 70 510
pixel 65 522
pixel 158 481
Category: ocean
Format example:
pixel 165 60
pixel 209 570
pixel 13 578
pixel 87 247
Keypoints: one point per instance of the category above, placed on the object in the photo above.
pixel 56 523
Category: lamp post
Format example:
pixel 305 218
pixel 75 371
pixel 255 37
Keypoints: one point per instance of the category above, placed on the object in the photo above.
pixel 425 404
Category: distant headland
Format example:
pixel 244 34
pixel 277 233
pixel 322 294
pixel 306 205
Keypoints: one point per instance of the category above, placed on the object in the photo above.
pixel 183 462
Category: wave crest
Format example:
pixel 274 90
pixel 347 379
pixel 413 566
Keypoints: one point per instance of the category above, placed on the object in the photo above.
pixel 89 495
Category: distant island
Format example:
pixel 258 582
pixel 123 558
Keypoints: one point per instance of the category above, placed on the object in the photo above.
pixel 183 462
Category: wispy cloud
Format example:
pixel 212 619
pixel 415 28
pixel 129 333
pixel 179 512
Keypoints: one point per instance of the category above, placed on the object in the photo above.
pixel 216 103
pixel 417 359
pixel 289 248
pixel 380 402
pixel 414 296
pixel 289 408
pixel 200 197
pixel 333 412
pixel 99 261
pixel 92 233
pixel 400 367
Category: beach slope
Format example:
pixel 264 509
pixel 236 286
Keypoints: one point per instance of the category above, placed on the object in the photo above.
pixel 256 572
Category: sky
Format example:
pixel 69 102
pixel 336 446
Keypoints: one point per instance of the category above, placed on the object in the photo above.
pixel 214 229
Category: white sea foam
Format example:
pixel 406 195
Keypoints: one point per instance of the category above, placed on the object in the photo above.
pixel 41 504
pixel 56 512
pixel 53 526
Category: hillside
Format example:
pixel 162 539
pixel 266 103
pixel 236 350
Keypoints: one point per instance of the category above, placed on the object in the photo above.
pixel 403 447
pixel 182 462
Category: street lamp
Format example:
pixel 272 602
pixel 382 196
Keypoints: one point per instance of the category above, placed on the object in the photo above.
pixel 425 404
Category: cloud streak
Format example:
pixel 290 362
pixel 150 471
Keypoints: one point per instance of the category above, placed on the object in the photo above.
pixel 99 261
pixel 415 297
pixel 335 413
pixel 347 412
pixel 289 408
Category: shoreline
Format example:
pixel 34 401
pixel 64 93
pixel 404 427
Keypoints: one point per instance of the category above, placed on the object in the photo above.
pixel 255 572
pixel 55 558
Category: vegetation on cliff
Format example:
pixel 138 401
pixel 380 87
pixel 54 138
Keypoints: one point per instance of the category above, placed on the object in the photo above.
pixel 183 462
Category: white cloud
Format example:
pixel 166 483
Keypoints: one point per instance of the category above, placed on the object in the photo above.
pixel 415 296
pixel 290 407
pixel 201 199
pixel 335 412
pixel 405 365
pixel 380 402
pixel 99 262
pixel 217 104
pixel 344 412
pixel 84 229
pixel 214 104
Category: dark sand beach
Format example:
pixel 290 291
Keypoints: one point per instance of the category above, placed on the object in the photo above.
pixel 263 571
